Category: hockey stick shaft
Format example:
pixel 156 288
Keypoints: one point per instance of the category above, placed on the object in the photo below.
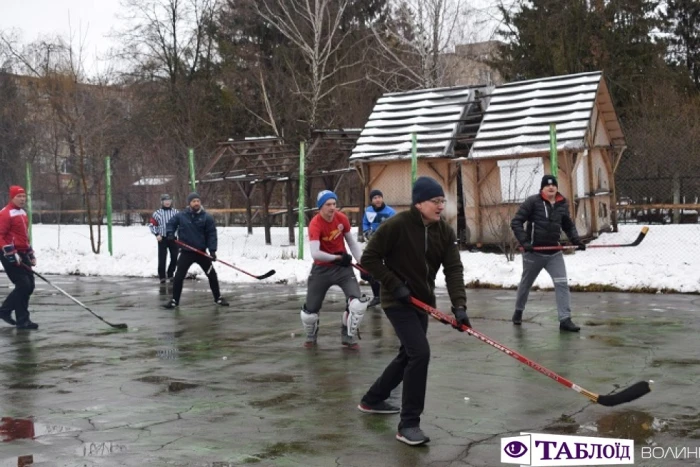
pixel 78 302
pixel 633 392
pixel 191 248
pixel 636 242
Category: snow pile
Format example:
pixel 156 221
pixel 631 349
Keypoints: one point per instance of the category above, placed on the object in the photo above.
pixel 664 260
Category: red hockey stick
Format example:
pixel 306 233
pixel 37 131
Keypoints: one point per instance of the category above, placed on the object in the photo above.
pixel 264 276
pixel 633 392
pixel 636 242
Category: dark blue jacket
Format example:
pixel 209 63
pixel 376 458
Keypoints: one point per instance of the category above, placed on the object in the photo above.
pixel 197 229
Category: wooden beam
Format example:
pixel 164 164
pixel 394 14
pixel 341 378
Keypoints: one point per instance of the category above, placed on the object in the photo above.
pixel 488 174
pixel 374 179
pixel 441 176
pixel 212 162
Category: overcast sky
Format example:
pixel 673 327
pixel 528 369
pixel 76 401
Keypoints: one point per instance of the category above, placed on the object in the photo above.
pixel 93 19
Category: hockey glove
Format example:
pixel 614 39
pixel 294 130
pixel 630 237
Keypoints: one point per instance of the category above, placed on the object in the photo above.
pixel 345 260
pixel 11 254
pixel 403 295
pixel 528 247
pixel 580 246
pixel 213 255
pixel 461 317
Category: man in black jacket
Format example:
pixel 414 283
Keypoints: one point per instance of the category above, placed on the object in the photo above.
pixel 539 222
pixel 405 255
pixel 196 228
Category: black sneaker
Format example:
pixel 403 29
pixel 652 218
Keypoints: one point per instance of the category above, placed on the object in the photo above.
pixel 221 301
pixel 28 325
pixel 413 436
pixel 375 301
pixel 162 281
pixel 518 317
pixel 382 407
pixel 8 319
pixel 170 305
pixel 568 325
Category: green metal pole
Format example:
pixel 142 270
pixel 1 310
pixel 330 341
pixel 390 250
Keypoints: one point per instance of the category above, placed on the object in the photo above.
pixel 414 158
pixel 108 189
pixel 193 183
pixel 553 161
pixel 29 198
pixel 302 201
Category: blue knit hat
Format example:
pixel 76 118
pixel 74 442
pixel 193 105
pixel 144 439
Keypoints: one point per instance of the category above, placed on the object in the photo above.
pixel 426 188
pixel 192 196
pixel 324 196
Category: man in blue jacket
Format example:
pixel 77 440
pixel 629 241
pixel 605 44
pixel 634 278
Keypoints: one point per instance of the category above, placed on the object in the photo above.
pixel 376 213
pixel 196 228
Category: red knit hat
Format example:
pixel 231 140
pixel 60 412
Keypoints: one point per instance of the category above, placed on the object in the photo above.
pixel 16 190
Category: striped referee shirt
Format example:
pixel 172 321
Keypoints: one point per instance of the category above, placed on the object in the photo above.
pixel 160 219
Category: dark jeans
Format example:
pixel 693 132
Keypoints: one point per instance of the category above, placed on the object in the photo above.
pixel 376 286
pixel 18 300
pixel 409 366
pixel 165 246
pixel 187 259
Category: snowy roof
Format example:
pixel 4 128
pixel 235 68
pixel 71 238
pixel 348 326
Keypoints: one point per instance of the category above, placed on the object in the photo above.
pixel 435 115
pixel 518 115
pixel 153 180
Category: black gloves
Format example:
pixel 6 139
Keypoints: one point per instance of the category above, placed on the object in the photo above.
pixel 461 317
pixel 213 255
pixel 528 247
pixel 580 246
pixel 345 260
pixel 170 236
pixel 403 295
pixel 11 254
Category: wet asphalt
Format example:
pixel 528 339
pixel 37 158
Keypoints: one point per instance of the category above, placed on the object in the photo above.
pixel 214 386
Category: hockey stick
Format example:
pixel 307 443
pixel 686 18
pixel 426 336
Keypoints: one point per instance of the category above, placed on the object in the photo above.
pixel 636 242
pixel 264 276
pixel 633 392
pixel 116 326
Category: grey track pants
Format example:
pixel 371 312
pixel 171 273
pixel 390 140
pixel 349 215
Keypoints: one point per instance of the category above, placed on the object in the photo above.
pixel 323 278
pixel 533 263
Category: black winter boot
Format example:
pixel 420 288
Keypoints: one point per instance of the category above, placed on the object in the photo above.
pixel 518 317
pixel 568 325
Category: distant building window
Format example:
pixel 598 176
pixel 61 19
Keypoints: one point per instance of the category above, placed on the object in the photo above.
pixel 520 178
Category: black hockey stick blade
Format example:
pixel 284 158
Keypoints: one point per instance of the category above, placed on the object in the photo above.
pixel 641 236
pixel 269 273
pixel 633 392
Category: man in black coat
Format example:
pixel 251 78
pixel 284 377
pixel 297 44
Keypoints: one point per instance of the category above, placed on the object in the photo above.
pixel 539 222
pixel 195 227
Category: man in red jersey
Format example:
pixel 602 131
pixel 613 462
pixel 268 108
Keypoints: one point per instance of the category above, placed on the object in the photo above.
pixel 328 232
pixel 14 239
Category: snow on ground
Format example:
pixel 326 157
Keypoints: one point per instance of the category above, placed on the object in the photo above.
pixel 666 259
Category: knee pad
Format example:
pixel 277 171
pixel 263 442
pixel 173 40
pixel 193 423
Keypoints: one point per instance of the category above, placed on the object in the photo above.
pixel 354 314
pixel 309 320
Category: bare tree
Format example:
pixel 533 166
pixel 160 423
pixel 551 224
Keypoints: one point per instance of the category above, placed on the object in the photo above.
pixel 74 119
pixel 412 46
pixel 313 26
